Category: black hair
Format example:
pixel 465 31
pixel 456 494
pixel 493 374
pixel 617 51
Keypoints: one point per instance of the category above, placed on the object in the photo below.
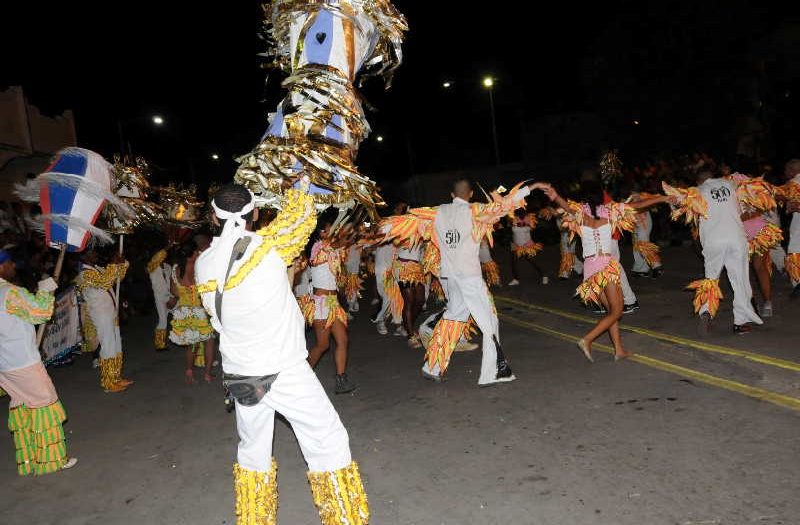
pixel 461 180
pixel 182 254
pixel 591 193
pixel 232 197
pixel 325 219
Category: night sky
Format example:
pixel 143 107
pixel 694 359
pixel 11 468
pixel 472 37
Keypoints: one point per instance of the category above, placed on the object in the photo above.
pixel 198 68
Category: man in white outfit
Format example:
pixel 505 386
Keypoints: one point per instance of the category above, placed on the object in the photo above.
pixel 644 227
pixel 160 273
pixel 458 228
pixel 724 244
pixel 242 279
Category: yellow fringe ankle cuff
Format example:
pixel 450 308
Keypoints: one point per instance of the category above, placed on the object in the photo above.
pixel 256 495
pixel 706 291
pixel 792 263
pixel 339 496
pixel 160 339
pixel 444 339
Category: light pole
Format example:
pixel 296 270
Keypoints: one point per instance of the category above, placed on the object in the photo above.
pixel 488 83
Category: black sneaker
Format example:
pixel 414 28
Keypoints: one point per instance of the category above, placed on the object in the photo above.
pixel 741 329
pixel 795 293
pixel 344 385
pixel 703 324
pixel 630 308
pixel 656 273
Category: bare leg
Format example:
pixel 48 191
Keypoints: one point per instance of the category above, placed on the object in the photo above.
pixel 761 266
pixel 209 354
pixel 322 342
pixel 339 331
pixel 189 359
pixel 613 295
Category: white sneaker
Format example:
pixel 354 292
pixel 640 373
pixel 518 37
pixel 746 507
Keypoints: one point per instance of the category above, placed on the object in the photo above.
pixel 95 363
pixel 71 462
pixel 381 326
pixel 766 309
pixel 514 283
pixel 508 379
pixel 545 280
pixel 400 331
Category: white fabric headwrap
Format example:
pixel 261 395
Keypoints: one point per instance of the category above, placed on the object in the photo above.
pixel 232 231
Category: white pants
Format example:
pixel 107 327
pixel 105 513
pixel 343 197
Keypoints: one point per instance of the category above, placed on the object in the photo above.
pixel 778 256
pixel 794 238
pixel 104 318
pixel 161 309
pixel 734 257
pixel 642 235
pixel 627 292
pixel 299 397
pixel 470 296
pixel 384 299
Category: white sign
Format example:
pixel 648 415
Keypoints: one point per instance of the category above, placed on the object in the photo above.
pixel 62 334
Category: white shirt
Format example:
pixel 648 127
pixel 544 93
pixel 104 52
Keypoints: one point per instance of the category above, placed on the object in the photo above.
pixel 384 255
pixel 724 222
pixel 262 330
pixel 17 338
pixel 484 253
pixel 160 279
pixel 322 277
pixel 353 262
pixel 521 235
pixel 303 284
pixel 453 228
pixel 412 254
pixel 596 241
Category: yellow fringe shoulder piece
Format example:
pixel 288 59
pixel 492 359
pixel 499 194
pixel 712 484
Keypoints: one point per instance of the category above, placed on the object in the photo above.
pixel 706 291
pixel 208 286
pixel 792 263
pixel 339 496
pixel 572 219
pixel 484 216
pixel 103 277
pixel 767 238
pixel 432 260
pixel 754 192
pixel 548 213
pixel 650 252
pixel 256 495
pixel 409 229
pixel 156 260
pixel 691 204
pixel 33 309
pixel 393 294
pixel 590 289
pixel 621 216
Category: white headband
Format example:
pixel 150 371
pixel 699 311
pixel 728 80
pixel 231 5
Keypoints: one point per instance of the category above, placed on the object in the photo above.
pixel 232 231
pixel 223 214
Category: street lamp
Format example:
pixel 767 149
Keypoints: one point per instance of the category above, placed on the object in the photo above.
pixel 379 138
pixel 488 83
pixel 215 156
pixel 446 84
pixel 158 120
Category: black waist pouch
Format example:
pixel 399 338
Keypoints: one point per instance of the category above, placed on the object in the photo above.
pixel 248 390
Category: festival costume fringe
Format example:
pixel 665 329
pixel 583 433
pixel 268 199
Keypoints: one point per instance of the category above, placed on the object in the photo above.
pixel 691 204
pixel 410 272
pixel 436 290
pixel 767 238
pixel 591 289
pixel 335 311
pixel 566 265
pixel 339 496
pixel 528 250
pixel 491 273
pixel 199 351
pixel 351 284
pixel 160 338
pixel 89 332
pixel 706 292
pixel 38 438
pixel 650 252
pixel 444 339
pixel 256 495
pixel 306 304
pixel 792 264
pixel 432 260
pixel 393 295
pixel 111 374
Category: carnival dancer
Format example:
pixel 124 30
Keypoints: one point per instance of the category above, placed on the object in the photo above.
pixel 489 267
pixel 329 318
pixel 96 285
pixel 456 229
pixel 35 414
pixel 522 245
pixel 391 299
pixel 646 257
pixel 190 327
pixel 351 282
pixel 243 281
pixel 757 199
pixel 595 219
pixel 160 272
pixel 411 280
pixel 714 206
pixel 790 192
